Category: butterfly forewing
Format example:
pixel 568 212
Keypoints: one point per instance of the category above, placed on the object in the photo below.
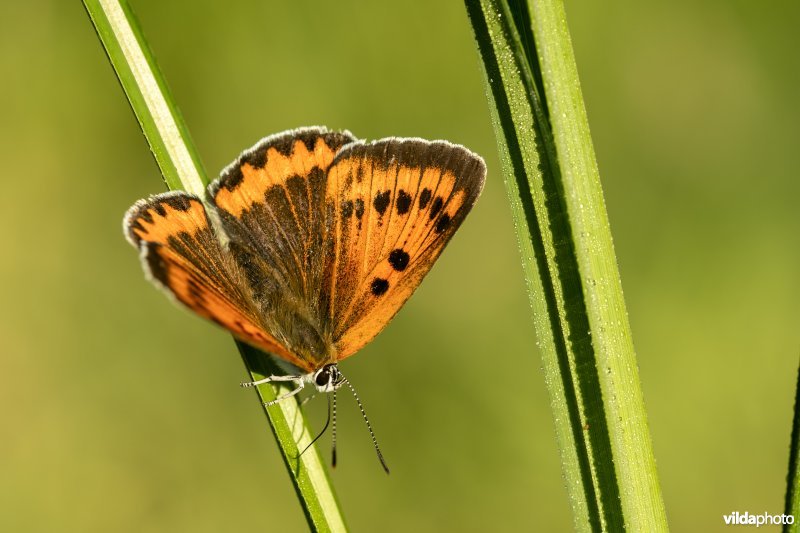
pixel 395 205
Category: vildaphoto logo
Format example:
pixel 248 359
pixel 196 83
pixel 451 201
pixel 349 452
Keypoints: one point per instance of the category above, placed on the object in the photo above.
pixel 764 519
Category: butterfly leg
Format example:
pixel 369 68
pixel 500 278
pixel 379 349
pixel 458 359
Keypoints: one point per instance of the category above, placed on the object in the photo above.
pixel 300 383
pixel 297 380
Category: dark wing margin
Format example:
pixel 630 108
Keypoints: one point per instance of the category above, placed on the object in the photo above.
pixel 181 255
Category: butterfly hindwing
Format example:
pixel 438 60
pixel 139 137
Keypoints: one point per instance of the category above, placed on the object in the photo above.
pixel 394 204
pixel 183 256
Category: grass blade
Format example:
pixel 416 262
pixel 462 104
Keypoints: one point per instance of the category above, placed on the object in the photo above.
pixel 554 187
pixel 792 505
pixel 177 158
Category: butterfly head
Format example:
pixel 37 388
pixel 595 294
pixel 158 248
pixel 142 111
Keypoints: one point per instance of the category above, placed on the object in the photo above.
pixel 328 378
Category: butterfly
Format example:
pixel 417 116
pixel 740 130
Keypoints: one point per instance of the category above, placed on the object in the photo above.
pixel 310 242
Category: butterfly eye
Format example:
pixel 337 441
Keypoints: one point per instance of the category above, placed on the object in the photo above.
pixel 323 377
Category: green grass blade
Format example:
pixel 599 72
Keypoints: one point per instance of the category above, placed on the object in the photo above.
pixel 553 184
pixel 792 505
pixel 177 158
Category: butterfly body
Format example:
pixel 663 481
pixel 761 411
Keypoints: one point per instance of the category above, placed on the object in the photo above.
pixel 311 241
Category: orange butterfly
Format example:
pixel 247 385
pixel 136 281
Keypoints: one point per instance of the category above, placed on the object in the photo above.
pixel 310 242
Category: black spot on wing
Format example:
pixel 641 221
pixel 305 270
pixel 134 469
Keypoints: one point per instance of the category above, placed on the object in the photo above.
pixel 403 202
pixel 424 198
pixel 443 223
pixel 359 207
pixel 436 207
pixel 379 286
pixel 347 208
pixel 398 259
pixel 381 201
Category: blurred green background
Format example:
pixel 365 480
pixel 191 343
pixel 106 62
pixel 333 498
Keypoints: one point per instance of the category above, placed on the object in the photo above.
pixel 120 412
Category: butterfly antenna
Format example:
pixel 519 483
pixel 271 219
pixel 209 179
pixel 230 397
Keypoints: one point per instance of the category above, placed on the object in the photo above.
pixel 321 433
pixel 369 426
pixel 333 447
